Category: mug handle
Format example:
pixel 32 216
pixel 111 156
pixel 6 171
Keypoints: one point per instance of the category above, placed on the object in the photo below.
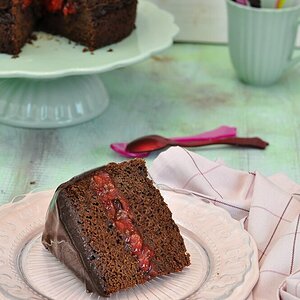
pixel 294 60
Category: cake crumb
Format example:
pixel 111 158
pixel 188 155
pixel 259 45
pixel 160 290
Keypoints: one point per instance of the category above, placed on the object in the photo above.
pixel 32 38
pixel 110 50
pixel 32 182
pixel 86 49
pixel 161 58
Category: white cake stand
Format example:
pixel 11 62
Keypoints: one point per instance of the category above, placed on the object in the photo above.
pixel 54 83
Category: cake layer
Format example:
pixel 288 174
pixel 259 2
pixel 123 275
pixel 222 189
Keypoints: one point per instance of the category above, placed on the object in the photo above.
pixel 113 229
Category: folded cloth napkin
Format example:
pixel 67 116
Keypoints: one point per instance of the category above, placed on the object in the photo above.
pixel 268 207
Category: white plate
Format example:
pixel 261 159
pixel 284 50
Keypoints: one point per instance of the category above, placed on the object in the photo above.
pixel 53 56
pixel 223 256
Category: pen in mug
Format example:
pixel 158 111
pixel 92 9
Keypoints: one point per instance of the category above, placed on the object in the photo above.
pixel 242 2
pixel 280 3
pixel 255 3
pixel 287 3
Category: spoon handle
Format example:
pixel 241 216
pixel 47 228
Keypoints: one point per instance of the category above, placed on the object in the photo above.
pixel 218 133
pixel 252 142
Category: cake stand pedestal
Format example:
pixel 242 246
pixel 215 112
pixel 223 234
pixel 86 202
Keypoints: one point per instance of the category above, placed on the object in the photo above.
pixel 50 103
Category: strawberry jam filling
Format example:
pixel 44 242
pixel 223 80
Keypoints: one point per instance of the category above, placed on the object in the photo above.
pixel 54 6
pixel 26 3
pixel 66 7
pixel 119 212
pixel 69 9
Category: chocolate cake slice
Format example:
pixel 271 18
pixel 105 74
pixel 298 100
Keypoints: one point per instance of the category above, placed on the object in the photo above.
pixel 17 20
pixel 112 228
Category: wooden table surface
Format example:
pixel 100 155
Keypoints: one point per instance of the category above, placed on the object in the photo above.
pixel 186 89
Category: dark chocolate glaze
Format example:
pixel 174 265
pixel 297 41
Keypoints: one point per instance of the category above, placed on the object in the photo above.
pixel 58 241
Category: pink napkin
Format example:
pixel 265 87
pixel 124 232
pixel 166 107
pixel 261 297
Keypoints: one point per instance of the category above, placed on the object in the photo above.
pixel 268 207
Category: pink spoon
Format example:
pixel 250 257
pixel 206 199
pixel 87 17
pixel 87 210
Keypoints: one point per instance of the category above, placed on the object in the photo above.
pixel 218 133
pixel 156 142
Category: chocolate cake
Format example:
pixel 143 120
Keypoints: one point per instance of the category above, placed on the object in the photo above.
pixel 92 23
pixel 17 21
pixel 112 228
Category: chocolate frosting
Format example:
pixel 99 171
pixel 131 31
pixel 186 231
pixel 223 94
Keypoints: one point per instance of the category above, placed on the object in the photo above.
pixel 56 239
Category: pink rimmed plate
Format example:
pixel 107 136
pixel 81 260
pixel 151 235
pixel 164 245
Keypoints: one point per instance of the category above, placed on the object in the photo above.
pixel 223 256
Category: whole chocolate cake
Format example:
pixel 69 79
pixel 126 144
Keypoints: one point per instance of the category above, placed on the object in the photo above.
pixel 112 228
pixel 92 23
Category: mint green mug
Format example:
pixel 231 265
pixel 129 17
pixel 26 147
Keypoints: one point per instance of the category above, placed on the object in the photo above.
pixel 261 41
